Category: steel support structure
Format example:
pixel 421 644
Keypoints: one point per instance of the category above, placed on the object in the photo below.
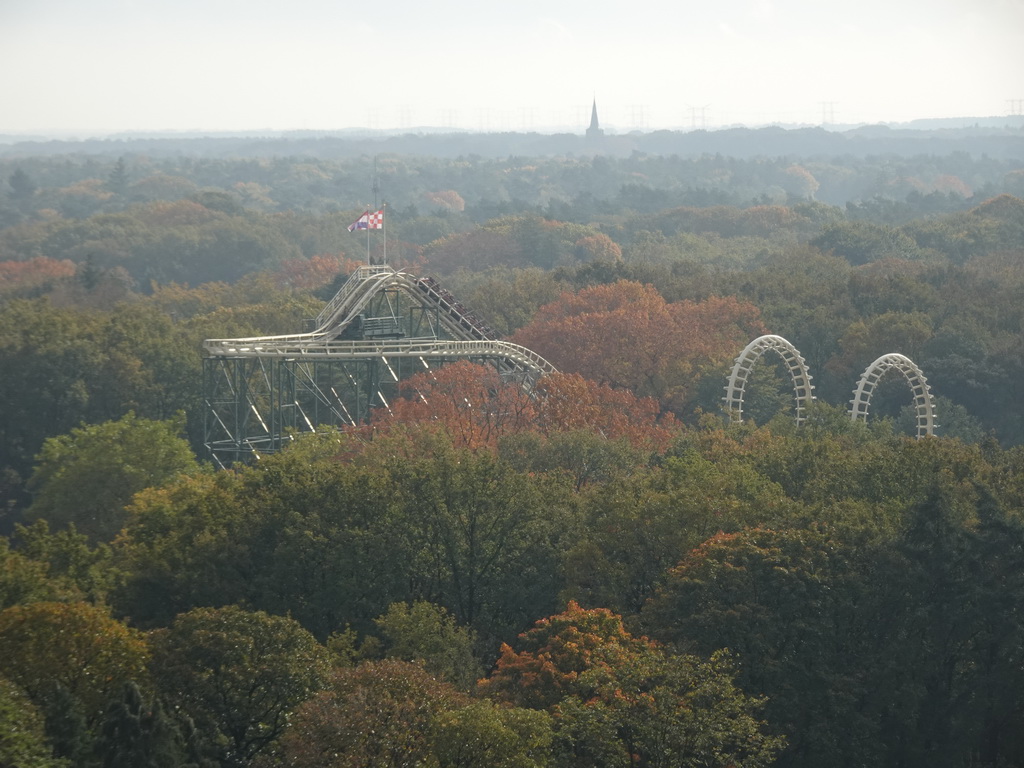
pixel 382 327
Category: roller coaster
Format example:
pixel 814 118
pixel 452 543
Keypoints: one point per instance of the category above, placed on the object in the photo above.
pixel 385 325
pixel 924 403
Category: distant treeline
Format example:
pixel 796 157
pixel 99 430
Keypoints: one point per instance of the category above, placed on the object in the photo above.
pixel 1000 138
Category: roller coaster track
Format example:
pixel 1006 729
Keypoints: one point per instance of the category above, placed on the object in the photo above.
pixel 471 336
pixel 300 348
pixel 924 404
pixel 795 364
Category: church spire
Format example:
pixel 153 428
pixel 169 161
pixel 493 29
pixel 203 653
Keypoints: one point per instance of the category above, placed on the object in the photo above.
pixel 594 131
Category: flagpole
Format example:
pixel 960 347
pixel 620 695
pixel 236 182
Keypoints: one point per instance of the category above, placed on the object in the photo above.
pixel 384 229
pixel 367 237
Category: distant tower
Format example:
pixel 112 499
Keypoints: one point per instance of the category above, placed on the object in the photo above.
pixel 594 131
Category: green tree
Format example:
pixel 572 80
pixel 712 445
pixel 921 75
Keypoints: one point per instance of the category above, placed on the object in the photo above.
pixel 299 533
pixel 76 645
pixel 117 180
pixel 393 714
pixel 50 357
pixel 428 634
pixel 483 733
pixel 860 242
pixel 795 607
pixel 239 674
pixel 74 569
pixel 67 727
pixel 638 527
pixel 661 710
pixel 22 186
pixel 89 476
pixel 22 579
pixel 23 742
pixel 485 538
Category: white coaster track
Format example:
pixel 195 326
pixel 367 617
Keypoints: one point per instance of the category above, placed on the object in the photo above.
pixel 734 390
pixel 470 337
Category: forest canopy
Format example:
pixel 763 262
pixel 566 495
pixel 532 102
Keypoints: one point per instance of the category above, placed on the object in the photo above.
pixel 604 571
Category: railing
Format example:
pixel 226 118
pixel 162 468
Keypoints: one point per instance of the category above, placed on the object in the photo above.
pixel 341 297
pixel 303 348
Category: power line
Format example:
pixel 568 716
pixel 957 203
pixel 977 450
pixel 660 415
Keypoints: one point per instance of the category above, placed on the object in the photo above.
pixel 703 117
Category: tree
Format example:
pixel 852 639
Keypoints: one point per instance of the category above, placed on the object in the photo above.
pixel 506 297
pixel 19 277
pixel 300 533
pixel 89 476
pixel 23 742
pixel 376 715
pixel 117 181
pixel 569 402
pixel 74 569
pixel 485 538
pixel 661 710
pixel 76 645
pixel 621 700
pixel 22 186
pixel 861 242
pixel 555 652
pixel 660 348
pixel 477 409
pixel 427 634
pixel 471 401
pixel 637 527
pixel 393 714
pixel 139 733
pixel 238 673
pixel 482 733
pixel 22 579
pixel 796 607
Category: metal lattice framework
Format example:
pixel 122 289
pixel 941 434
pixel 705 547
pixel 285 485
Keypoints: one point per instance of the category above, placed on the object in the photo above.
pixel 795 364
pixel 923 402
pixel 383 326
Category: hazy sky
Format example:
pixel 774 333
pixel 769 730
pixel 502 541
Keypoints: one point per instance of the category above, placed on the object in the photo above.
pixel 102 65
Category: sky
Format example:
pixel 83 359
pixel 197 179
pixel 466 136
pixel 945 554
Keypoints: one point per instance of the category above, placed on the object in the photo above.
pixel 88 67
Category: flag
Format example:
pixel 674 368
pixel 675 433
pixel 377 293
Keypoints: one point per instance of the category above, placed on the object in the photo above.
pixel 368 221
pixel 362 222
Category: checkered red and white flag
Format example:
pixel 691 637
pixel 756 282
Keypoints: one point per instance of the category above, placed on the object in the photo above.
pixel 368 221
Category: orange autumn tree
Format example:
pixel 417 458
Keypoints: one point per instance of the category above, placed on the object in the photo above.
pixel 468 400
pixel 569 402
pixel 556 652
pixel 617 699
pixel 36 272
pixel 476 408
pixel 627 336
